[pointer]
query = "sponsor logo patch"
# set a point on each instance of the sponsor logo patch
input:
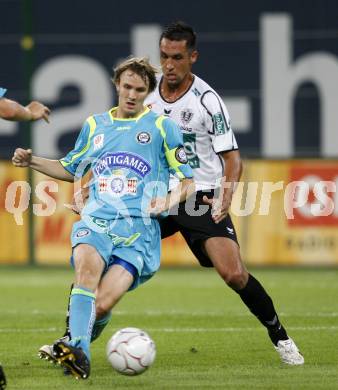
(111, 161)
(190, 149)
(98, 141)
(143, 138)
(118, 185)
(181, 155)
(219, 123)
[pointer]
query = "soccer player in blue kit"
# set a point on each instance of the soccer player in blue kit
(130, 151)
(14, 111)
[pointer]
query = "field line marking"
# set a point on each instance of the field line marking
(182, 330)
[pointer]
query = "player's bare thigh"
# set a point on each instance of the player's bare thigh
(225, 256)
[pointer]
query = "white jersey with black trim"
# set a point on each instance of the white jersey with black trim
(205, 123)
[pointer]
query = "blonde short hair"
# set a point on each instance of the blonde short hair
(140, 66)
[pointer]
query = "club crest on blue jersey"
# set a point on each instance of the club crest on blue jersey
(117, 185)
(143, 138)
(131, 161)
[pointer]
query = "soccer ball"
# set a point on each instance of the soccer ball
(131, 351)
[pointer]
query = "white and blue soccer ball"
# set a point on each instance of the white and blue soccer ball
(131, 351)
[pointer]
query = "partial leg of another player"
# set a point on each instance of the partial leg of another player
(2, 379)
(225, 256)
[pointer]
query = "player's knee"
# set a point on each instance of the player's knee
(236, 280)
(104, 304)
(101, 310)
(87, 278)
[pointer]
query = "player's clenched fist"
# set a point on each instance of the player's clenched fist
(22, 157)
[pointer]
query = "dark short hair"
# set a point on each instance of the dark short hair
(180, 31)
(140, 66)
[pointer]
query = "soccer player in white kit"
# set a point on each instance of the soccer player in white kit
(213, 154)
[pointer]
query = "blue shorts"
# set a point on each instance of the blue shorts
(132, 240)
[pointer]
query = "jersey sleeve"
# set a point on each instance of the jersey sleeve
(2, 92)
(217, 122)
(72, 160)
(174, 149)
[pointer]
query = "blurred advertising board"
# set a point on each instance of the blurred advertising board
(52, 230)
(13, 231)
(297, 224)
(285, 213)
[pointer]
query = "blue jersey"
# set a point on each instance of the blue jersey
(130, 159)
(2, 92)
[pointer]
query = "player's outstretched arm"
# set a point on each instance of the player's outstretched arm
(23, 158)
(13, 111)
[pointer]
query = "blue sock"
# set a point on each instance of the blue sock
(99, 325)
(82, 317)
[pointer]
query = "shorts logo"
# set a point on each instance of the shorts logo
(181, 155)
(143, 138)
(230, 230)
(98, 141)
(186, 115)
(83, 233)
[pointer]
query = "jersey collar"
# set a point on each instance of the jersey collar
(136, 119)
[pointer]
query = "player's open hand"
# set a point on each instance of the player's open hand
(219, 207)
(22, 157)
(38, 111)
(79, 200)
(158, 206)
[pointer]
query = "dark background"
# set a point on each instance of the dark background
(228, 41)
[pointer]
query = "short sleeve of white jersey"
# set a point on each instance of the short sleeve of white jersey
(217, 121)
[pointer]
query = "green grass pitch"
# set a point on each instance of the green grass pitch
(205, 337)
